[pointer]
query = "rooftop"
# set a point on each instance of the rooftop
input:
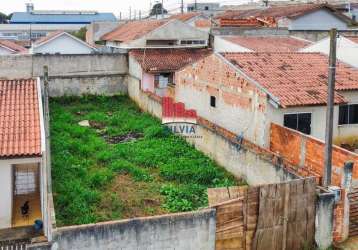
(289, 11)
(185, 16)
(14, 47)
(268, 43)
(61, 17)
(55, 34)
(133, 30)
(296, 79)
(159, 60)
(352, 38)
(19, 119)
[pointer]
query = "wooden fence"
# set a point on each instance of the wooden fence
(267, 217)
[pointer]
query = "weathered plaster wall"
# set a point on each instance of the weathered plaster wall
(103, 84)
(6, 195)
(240, 106)
(26, 66)
(184, 231)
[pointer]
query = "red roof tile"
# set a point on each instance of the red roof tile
(20, 134)
(352, 38)
(159, 60)
(295, 78)
(185, 16)
(133, 30)
(290, 11)
(13, 46)
(268, 43)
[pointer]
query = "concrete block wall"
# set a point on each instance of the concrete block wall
(183, 231)
(27, 66)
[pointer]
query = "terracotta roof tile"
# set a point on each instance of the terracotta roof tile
(295, 78)
(133, 30)
(268, 43)
(19, 119)
(17, 49)
(159, 60)
(185, 16)
(352, 38)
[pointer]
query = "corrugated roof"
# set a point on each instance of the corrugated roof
(268, 43)
(133, 30)
(17, 49)
(296, 79)
(20, 133)
(161, 60)
(28, 17)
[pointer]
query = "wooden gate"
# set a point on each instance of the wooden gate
(267, 217)
(353, 212)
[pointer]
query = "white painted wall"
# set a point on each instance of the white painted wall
(4, 51)
(63, 44)
(5, 195)
(349, 129)
(347, 50)
(222, 45)
(318, 20)
(6, 187)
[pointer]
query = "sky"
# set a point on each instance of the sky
(115, 6)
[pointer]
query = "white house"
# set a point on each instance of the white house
(23, 181)
(8, 47)
(61, 42)
(163, 33)
(347, 49)
(258, 43)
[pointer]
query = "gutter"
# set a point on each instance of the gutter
(273, 99)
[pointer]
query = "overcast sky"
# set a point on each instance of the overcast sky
(115, 6)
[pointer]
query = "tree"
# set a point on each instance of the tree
(80, 34)
(157, 10)
(3, 18)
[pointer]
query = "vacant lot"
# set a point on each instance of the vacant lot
(122, 163)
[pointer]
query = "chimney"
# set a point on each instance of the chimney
(29, 7)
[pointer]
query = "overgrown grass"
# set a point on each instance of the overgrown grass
(96, 181)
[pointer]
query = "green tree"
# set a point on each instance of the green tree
(157, 10)
(80, 34)
(3, 18)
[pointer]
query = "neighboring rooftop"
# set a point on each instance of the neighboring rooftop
(12, 46)
(133, 30)
(159, 60)
(288, 11)
(59, 16)
(268, 43)
(352, 38)
(296, 79)
(185, 16)
(20, 134)
(55, 34)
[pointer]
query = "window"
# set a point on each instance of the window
(213, 101)
(188, 42)
(163, 79)
(206, 8)
(348, 114)
(299, 121)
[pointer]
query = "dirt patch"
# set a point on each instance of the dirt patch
(132, 136)
(97, 125)
(134, 197)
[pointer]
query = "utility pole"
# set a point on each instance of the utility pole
(130, 13)
(330, 108)
(182, 6)
(140, 15)
(195, 5)
(162, 9)
(120, 16)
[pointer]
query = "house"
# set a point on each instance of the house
(317, 17)
(23, 172)
(61, 42)
(246, 92)
(155, 68)
(32, 16)
(347, 49)
(8, 47)
(203, 7)
(162, 33)
(196, 19)
(258, 43)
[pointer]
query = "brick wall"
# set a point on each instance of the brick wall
(306, 154)
(241, 107)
